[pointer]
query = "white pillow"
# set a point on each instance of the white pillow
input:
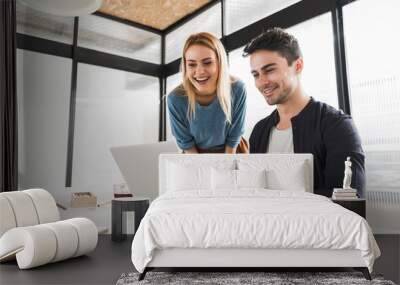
(281, 174)
(183, 177)
(251, 178)
(223, 179)
(293, 178)
(236, 179)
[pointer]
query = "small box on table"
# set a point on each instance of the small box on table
(83, 199)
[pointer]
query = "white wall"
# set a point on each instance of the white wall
(112, 108)
(43, 84)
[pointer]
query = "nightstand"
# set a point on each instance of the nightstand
(138, 205)
(357, 205)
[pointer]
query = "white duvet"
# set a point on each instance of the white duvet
(250, 218)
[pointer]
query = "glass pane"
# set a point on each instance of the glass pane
(372, 48)
(241, 13)
(35, 23)
(116, 38)
(319, 68)
(172, 82)
(43, 112)
(319, 75)
(121, 110)
(208, 21)
(257, 107)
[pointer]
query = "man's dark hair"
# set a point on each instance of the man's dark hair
(275, 39)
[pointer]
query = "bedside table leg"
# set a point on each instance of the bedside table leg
(116, 221)
(140, 211)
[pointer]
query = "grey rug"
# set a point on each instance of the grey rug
(269, 278)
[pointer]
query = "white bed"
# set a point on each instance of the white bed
(219, 211)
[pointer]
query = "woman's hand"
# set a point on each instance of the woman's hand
(230, 150)
(193, 149)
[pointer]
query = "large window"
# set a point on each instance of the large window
(315, 38)
(172, 82)
(318, 77)
(257, 107)
(208, 21)
(35, 23)
(113, 108)
(241, 13)
(115, 38)
(43, 110)
(372, 48)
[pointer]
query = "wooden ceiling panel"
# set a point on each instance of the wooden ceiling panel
(158, 14)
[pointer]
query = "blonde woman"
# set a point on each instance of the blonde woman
(207, 110)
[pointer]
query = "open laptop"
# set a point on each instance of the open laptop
(139, 165)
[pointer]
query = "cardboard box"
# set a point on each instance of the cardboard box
(83, 199)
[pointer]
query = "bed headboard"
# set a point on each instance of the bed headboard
(282, 165)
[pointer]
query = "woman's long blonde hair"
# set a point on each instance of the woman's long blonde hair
(223, 82)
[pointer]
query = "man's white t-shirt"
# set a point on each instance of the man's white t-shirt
(280, 141)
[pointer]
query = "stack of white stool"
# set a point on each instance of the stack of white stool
(31, 230)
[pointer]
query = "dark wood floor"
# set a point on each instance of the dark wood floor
(102, 266)
(110, 260)
(389, 262)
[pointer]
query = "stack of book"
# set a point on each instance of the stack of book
(344, 194)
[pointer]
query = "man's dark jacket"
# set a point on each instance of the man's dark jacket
(330, 135)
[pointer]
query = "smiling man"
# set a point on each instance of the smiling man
(301, 124)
